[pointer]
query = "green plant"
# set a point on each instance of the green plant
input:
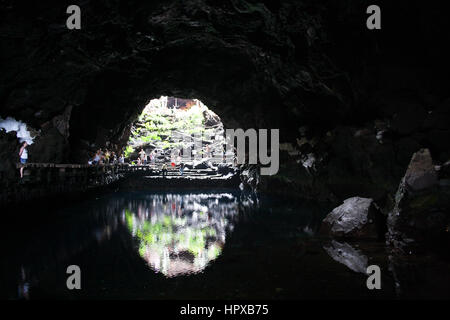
(128, 150)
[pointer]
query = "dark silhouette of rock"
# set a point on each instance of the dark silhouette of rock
(211, 119)
(421, 212)
(355, 218)
(408, 120)
(225, 168)
(444, 170)
(9, 153)
(421, 174)
(250, 177)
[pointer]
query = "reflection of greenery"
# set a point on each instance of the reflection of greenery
(129, 219)
(171, 231)
(180, 234)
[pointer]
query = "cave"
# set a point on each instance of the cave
(363, 155)
(171, 128)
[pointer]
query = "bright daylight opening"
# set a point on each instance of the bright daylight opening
(176, 131)
(180, 234)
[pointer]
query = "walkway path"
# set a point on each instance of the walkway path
(49, 179)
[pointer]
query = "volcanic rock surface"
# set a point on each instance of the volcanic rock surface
(352, 105)
(355, 218)
(421, 215)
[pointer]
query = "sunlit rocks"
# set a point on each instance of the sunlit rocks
(355, 218)
(175, 129)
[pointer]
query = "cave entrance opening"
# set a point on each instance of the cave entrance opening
(176, 132)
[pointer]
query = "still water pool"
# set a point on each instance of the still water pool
(196, 245)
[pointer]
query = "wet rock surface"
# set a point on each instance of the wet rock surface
(344, 253)
(355, 218)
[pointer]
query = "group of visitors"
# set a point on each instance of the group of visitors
(144, 157)
(164, 168)
(106, 157)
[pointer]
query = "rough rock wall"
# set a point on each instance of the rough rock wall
(252, 63)
(258, 64)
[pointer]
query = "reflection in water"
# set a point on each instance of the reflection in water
(23, 287)
(175, 234)
(121, 240)
(344, 253)
(180, 234)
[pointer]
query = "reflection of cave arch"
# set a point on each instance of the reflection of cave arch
(184, 234)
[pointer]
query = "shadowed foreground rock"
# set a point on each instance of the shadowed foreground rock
(421, 211)
(355, 218)
(421, 174)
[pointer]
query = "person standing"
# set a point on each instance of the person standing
(23, 154)
(143, 156)
(181, 168)
(97, 158)
(107, 156)
(164, 170)
(101, 156)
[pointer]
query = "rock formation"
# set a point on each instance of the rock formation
(421, 211)
(356, 218)
(353, 104)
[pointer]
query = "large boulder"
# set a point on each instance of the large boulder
(421, 211)
(211, 119)
(420, 174)
(201, 164)
(355, 218)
